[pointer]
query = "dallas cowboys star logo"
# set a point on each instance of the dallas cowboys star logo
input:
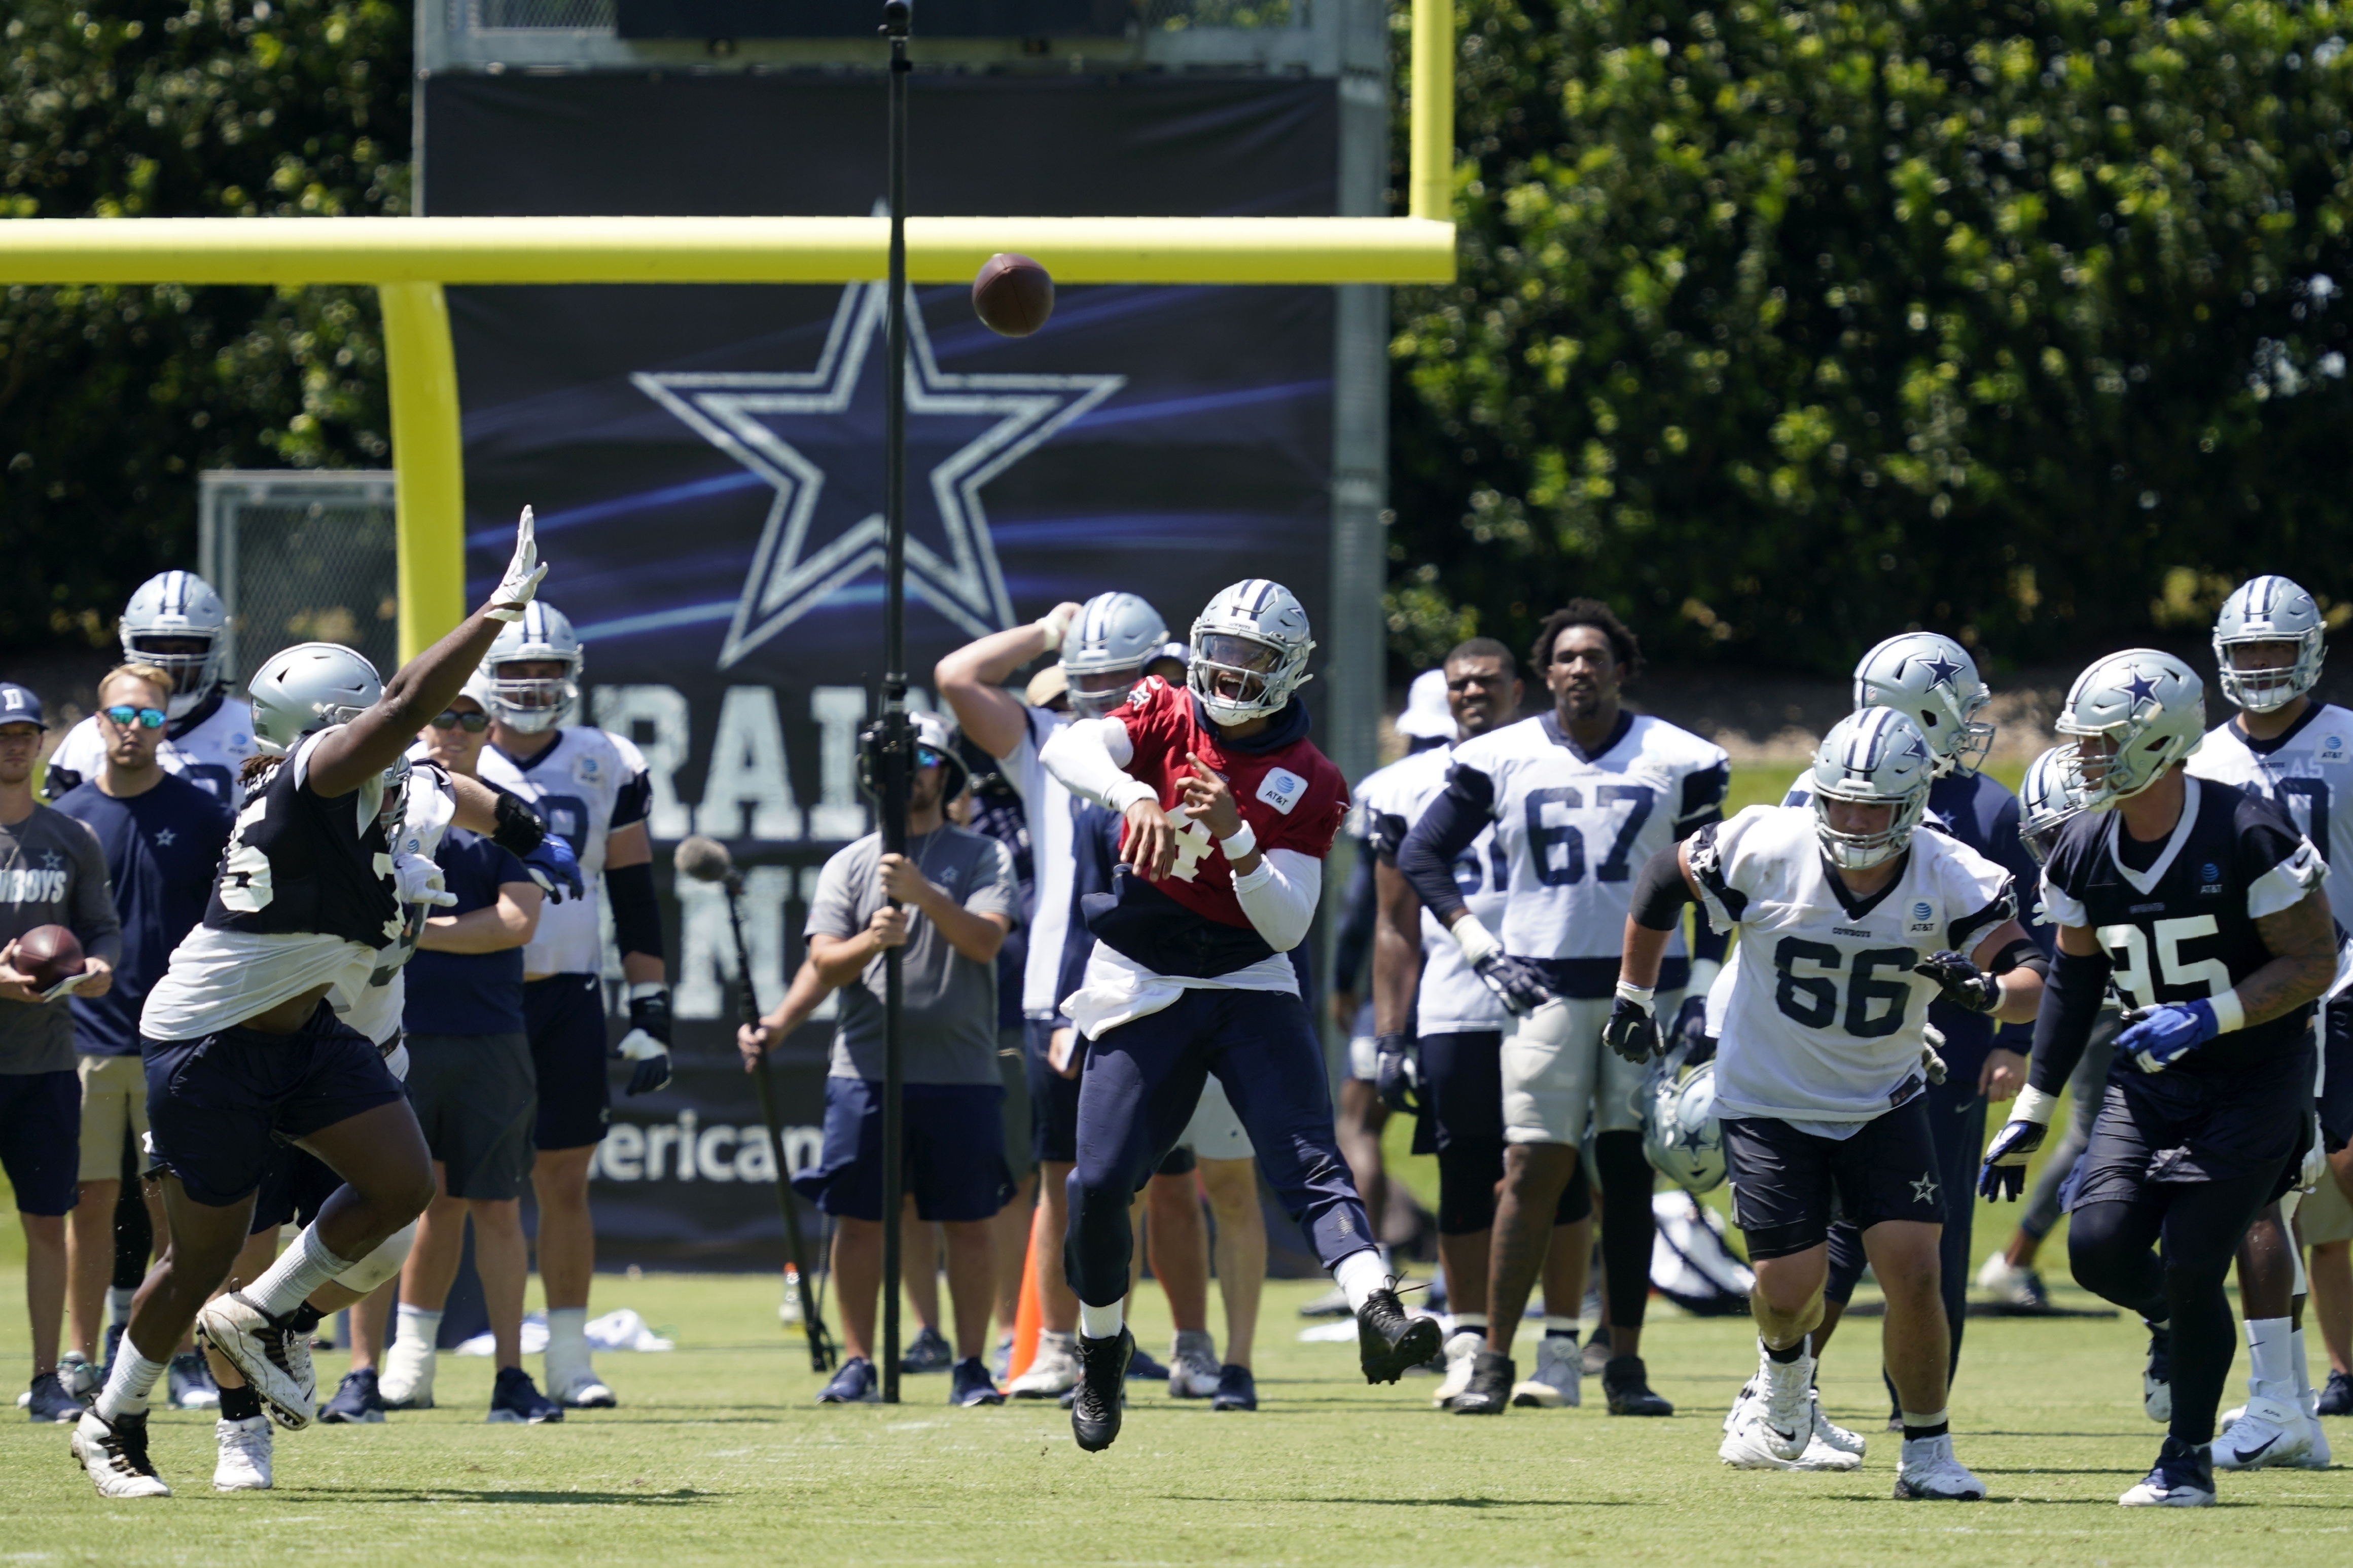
(1924, 1191)
(165, 835)
(2141, 686)
(1940, 669)
(817, 437)
(51, 859)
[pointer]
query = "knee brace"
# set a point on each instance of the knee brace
(380, 1265)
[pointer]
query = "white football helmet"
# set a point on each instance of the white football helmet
(2045, 805)
(1250, 651)
(2143, 710)
(311, 686)
(1934, 681)
(529, 704)
(1876, 757)
(2269, 609)
(176, 605)
(1106, 648)
(1681, 1137)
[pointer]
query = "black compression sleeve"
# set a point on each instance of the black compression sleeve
(637, 918)
(2021, 954)
(2071, 1002)
(1660, 892)
(1450, 825)
(518, 828)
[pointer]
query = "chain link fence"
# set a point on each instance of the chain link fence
(602, 16)
(301, 556)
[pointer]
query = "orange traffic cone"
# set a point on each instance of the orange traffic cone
(1029, 1316)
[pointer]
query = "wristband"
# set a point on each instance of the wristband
(1243, 842)
(2229, 1014)
(1476, 941)
(2033, 1105)
(1640, 995)
(644, 988)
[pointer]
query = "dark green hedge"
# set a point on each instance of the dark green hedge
(111, 399)
(1782, 327)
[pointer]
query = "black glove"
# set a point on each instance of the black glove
(1689, 1032)
(2003, 1175)
(1963, 984)
(1398, 1075)
(647, 1043)
(1632, 1031)
(1518, 983)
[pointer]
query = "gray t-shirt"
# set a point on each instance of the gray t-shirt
(52, 873)
(950, 1027)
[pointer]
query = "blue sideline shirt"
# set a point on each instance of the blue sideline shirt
(468, 993)
(162, 849)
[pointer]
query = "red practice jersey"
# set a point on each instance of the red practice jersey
(1291, 795)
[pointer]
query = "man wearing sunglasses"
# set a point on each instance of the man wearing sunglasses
(163, 835)
(177, 625)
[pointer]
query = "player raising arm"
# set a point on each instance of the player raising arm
(1853, 919)
(2203, 906)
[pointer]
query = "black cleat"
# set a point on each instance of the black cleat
(1237, 1389)
(1103, 1375)
(1388, 1343)
(2337, 1398)
(1489, 1393)
(1627, 1383)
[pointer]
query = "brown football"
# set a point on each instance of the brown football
(1012, 296)
(49, 955)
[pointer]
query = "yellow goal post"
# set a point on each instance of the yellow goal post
(408, 261)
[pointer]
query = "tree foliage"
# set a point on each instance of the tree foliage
(111, 399)
(1783, 326)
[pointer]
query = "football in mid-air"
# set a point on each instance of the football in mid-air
(47, 954)
(1013, 295)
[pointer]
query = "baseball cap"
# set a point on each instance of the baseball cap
(1427, 716)
(18, 705)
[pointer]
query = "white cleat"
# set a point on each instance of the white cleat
(115, 1457)
(2183, 1477)
(1559, 1376)
(2266, 1432)
(1733, 1417)
(1745, 1446)
(1052, 1373)
(1829, 1435)
(2316, 1456)
(274, 1359)
(406, 1382)
(580, 1390)
(1193, 1367)
(1462, 1353)
(1786, 1399)
(244, 1463)
(1930, 1471)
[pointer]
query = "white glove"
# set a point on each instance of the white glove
(418, 880)
(523, 573)
(2315, 1165)
(1054, 626)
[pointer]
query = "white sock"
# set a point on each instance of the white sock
(419, 1330)
(1466, 1322)
(1553, 1325)
(2268, 1342)
(2306, 1397)
(127, 1383)
(1102, 1323)
(1359, 1275)
(300, 1269)
(118, 1303)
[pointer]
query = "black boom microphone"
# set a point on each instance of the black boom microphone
(704, 859)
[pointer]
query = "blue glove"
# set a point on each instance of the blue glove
(1688, 1034)
(648, 1041)
(1633, 1032)
(1964, 985)
(2156, 1037)
(1398, 1076)
(2003, 1174)
(1517, 982)
(556, 869)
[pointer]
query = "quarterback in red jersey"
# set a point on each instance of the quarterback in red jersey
(1229, 811)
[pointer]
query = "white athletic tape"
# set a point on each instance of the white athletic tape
(382, 1264)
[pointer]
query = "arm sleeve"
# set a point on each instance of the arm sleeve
(1451, 824)
(2071, 1002)
(96, 925)
(1359, 914)
(1660, 892)
(1090, 757)
(637, 915)
(1280, 897)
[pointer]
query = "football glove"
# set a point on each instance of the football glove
(2003, 1174)
(556, 869)
(1633, 1030)
(1517, 982)
(1963, 984)
(524, 571)
(418, 880)
(648, 1041)
(1398, 1075)
(2156, 1037)
(1932, 1047)
(1688, 1034)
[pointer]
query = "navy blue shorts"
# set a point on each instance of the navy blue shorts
(1053, 1098)
(295, 1188)
(40, 1139)
(954, 1146)
(565, 1015)
(1788, 1185)
(2156, 1128)
(221, 1108)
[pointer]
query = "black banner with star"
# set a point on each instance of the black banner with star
(706, 466)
